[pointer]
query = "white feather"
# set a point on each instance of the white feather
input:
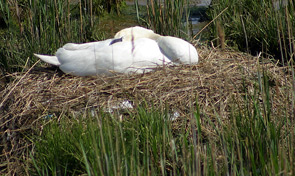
(49, 59)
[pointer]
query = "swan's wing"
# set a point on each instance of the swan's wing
(49, 59)
(146, 52)
(90, 45)
(131, 56)
(77, 62)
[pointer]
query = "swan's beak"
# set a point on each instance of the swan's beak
(116, 40)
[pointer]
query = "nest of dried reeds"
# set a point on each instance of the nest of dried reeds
(219, 80)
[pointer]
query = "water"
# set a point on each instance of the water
(205, 3)
(192, 2)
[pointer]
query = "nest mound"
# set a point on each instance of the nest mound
(220, 78)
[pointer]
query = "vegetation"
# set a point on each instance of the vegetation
(168, 17)
(257, 26)
(43, 26)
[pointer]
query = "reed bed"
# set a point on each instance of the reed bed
(256, 26)
(168, 17)
(225, 85)
(43, 26)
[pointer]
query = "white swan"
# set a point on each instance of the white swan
(107, 56)
(175, 49)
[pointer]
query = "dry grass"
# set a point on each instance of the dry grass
(216, 81)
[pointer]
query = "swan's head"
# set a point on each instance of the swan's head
(134, 33)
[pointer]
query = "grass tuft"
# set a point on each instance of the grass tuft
(257, 26)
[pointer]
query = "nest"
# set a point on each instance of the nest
(218, 81)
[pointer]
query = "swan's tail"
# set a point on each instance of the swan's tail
(49, 59)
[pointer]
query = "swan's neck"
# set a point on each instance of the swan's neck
(154, 36)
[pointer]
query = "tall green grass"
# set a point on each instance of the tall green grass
(45, 25)
(257, 142)
(42, 26)
(256, 26)
(251, 142)
(168, 17)
(143, 144)
(260, 26)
